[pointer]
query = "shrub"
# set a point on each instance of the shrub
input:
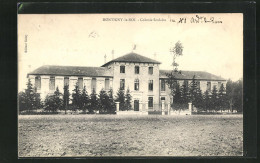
(54, 102)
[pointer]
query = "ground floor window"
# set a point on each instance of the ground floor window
(150, 102)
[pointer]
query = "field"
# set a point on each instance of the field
(112, 135)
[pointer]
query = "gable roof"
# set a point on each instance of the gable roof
(201, 75)
(72, 71)
(132, 57)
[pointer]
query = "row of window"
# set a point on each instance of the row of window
(137, 70)
(66, 82)
(136, 85)
(186, 84)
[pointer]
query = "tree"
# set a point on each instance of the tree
(66, 97)
(54, 102)
(193, 90)
(198, 102)
(230, 88)
(222, 101)
(93, 102)
(238, 95)
(22, 101)
(84, 99)
(177, 94)
(128, 99)
(120, 97)
(37, 103)
(29, 94)
(112, 104)
(214, 99)
(29, 100)
(206, 103)
(177, 51)
(103, 101)
(76, 101)
(171, 81)
(185, 93)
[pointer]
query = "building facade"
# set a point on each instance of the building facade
(139, 74)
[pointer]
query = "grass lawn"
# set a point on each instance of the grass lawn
(112, 135)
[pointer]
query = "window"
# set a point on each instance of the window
(163, 98)
(150, 85)
(150, 102)
(122, 69)
(136, 69)
(52, 83)
(93, 84)
(208, 86)
(122, 84)
(150, 70)
(162, 85)
(38, 83)
(106, 84)
(80, 82)
(136, 84)
(66, 81)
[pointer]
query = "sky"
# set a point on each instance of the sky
(84, 40)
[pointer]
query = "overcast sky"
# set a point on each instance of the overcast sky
(84, 39)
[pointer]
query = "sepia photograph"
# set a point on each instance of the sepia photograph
(139, 85)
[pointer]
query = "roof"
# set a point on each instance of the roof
(72, 71)
(201, 75)
(134, 58)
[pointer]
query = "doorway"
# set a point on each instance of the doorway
(136, 105)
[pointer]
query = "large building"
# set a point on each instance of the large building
(140, 74)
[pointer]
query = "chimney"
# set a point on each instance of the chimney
(105, 58)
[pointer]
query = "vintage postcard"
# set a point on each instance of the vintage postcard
(95, 85)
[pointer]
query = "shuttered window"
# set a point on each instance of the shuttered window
(106, 84)
(66, 81)
(38, 83)
(80, 83)
(93, 84)
(162, 85)
(52, 83)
